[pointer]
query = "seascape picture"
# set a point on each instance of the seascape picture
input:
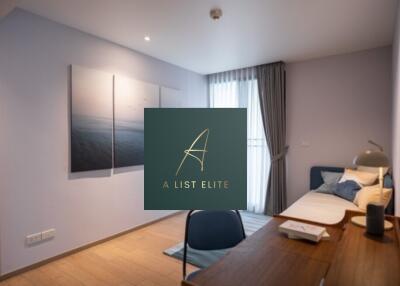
(130, 99)
(171, 98)
(91, 119)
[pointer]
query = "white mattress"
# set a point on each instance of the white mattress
(321, 208)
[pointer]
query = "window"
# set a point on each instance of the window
(239, 89)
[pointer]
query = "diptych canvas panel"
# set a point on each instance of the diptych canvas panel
(131, 97)
(107, 119)
(91, 119)
(171, 98)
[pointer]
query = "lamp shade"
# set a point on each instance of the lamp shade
(371, 159)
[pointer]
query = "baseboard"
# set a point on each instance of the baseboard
(75, 250)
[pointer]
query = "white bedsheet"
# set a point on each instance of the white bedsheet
(321, 208)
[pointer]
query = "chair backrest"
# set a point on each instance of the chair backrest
(210, 230)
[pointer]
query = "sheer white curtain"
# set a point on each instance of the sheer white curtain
(238, 88)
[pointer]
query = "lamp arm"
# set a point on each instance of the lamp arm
(376, 144)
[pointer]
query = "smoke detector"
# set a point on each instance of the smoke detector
(215, 13)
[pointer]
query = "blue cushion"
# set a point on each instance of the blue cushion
(388, 182)
(347, 190)
(330, 181)
(326, 188)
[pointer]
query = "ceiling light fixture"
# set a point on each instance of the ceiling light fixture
(215, 13)
(147, 38)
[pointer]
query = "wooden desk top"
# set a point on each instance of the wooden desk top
(363, 259)
(268, 257)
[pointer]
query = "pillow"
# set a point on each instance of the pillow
(372, 194)
(388, 182)
(347, 190)
(362, 178)
(330, 181)
(374, 170)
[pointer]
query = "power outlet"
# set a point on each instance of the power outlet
(33, 238)
(40, 236)
(48, 234)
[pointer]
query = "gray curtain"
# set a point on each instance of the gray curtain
(272, 92)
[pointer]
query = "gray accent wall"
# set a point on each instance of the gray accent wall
(396, 112)
(334, 105)
(37, 190)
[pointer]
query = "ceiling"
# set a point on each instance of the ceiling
(250, 32)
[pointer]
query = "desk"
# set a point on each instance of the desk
(270, 258)
(363, 259)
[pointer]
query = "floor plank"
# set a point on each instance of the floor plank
(134, 259)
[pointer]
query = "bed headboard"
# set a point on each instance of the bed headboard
(316, 181)
(316, 178)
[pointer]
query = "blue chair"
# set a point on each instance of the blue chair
(211, 230)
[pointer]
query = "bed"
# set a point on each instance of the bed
(325, 208)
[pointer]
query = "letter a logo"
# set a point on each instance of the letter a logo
(192, 151)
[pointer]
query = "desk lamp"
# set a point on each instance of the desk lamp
(375, 211)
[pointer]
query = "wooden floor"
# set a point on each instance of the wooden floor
(134, 259)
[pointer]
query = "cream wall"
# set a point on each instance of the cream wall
(37, 191)
(335, 105)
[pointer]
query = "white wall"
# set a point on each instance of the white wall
(336, 104)
(37, 191)
(396, 111)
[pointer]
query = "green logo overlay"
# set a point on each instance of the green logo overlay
(195, 158)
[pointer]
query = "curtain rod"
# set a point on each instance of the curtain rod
(277, 62)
